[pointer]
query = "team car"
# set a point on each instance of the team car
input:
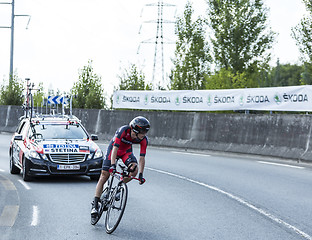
(54, 145)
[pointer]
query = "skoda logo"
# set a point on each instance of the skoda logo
(241, 100)
(277, 98)
(146, 99)
(209, 102)
(177, 100)
(117, 99)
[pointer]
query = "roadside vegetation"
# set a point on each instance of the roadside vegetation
(230, 47)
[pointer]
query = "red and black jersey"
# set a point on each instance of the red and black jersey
(123, 141)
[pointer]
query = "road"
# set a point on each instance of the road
(187, 195)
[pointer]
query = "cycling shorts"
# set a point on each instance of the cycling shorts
(127, 158)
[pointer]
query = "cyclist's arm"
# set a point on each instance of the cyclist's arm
(143, 144)
(141, 164)
(121, 132)
(114, 155)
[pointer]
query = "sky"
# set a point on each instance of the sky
(63, 35)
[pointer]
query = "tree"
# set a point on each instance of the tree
(133, 79)
(12, 93)
(192, 58)
(286, 74)
(38, 95)
(88, 90)
(306, 75)
(225, 79)
(240, 37)
(302, 34)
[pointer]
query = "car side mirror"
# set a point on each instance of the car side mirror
(18, 138)
(94, 137)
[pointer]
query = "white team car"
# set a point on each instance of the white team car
(54, 145)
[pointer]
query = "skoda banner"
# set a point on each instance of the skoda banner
(294, 98)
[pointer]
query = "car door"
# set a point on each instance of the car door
(18, 145)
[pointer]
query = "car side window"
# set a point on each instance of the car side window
(20, 128)
(24, 130)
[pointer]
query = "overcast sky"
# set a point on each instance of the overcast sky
(64, 34)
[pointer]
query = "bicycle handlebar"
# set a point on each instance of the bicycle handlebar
(121, 176)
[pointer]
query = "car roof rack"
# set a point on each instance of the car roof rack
(29, 109)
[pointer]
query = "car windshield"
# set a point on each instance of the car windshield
(59, 131)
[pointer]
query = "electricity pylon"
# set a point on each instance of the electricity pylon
(159, 41)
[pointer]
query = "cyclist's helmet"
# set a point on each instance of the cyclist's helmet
(140, 125)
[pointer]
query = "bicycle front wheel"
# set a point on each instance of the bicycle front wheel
(116, 207)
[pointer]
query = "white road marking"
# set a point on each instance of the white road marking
(8, 215)
(24, 184)
(8, 185)
(280, 164)
(1, 170)
(241, 201)
(35, 216)
(197, 154)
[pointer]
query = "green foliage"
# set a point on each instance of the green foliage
(306, 75)
(192, 58)
(241, 36)
(302, 34)
(38, 95)
(133, 79)
(12, 93)
(88, 90)
(225, 79)
(287, 75)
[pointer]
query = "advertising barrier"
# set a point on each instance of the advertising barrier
(293, 98)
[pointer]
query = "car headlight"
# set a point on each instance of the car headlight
(44, 157)
(98, 154)
(34, 154)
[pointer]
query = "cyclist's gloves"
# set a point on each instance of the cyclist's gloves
(112, 169)
(141, 178)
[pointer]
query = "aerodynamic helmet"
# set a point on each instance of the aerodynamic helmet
(140, 125)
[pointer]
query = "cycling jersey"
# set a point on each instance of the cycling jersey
(123, 141)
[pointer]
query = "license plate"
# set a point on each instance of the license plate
(68, 167)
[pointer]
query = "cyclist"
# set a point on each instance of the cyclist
(121, 147)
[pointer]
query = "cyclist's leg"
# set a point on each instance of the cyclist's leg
(104, 175)
(102, 180)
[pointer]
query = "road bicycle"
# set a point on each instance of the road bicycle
(113, 199)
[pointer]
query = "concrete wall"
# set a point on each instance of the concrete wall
(279, 135)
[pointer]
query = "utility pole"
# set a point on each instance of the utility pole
(12, 37)
(159, 42)
(12, 41)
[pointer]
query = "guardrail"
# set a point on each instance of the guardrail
(278, 135)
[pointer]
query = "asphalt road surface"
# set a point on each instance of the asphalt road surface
(187, 195)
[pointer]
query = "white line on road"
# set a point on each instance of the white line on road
(24, 184)
(35, 216)
(8, 216)
(282, 165)
(241, 201)
(197, 154)
(1, 170)
(8, 185)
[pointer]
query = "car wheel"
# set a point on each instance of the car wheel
(26, 176)
(13, 168)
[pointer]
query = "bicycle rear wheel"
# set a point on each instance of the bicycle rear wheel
(116, 208)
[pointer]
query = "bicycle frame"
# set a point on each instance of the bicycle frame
(114, 197)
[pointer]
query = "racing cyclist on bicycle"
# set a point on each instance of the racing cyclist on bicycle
(121, 147)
